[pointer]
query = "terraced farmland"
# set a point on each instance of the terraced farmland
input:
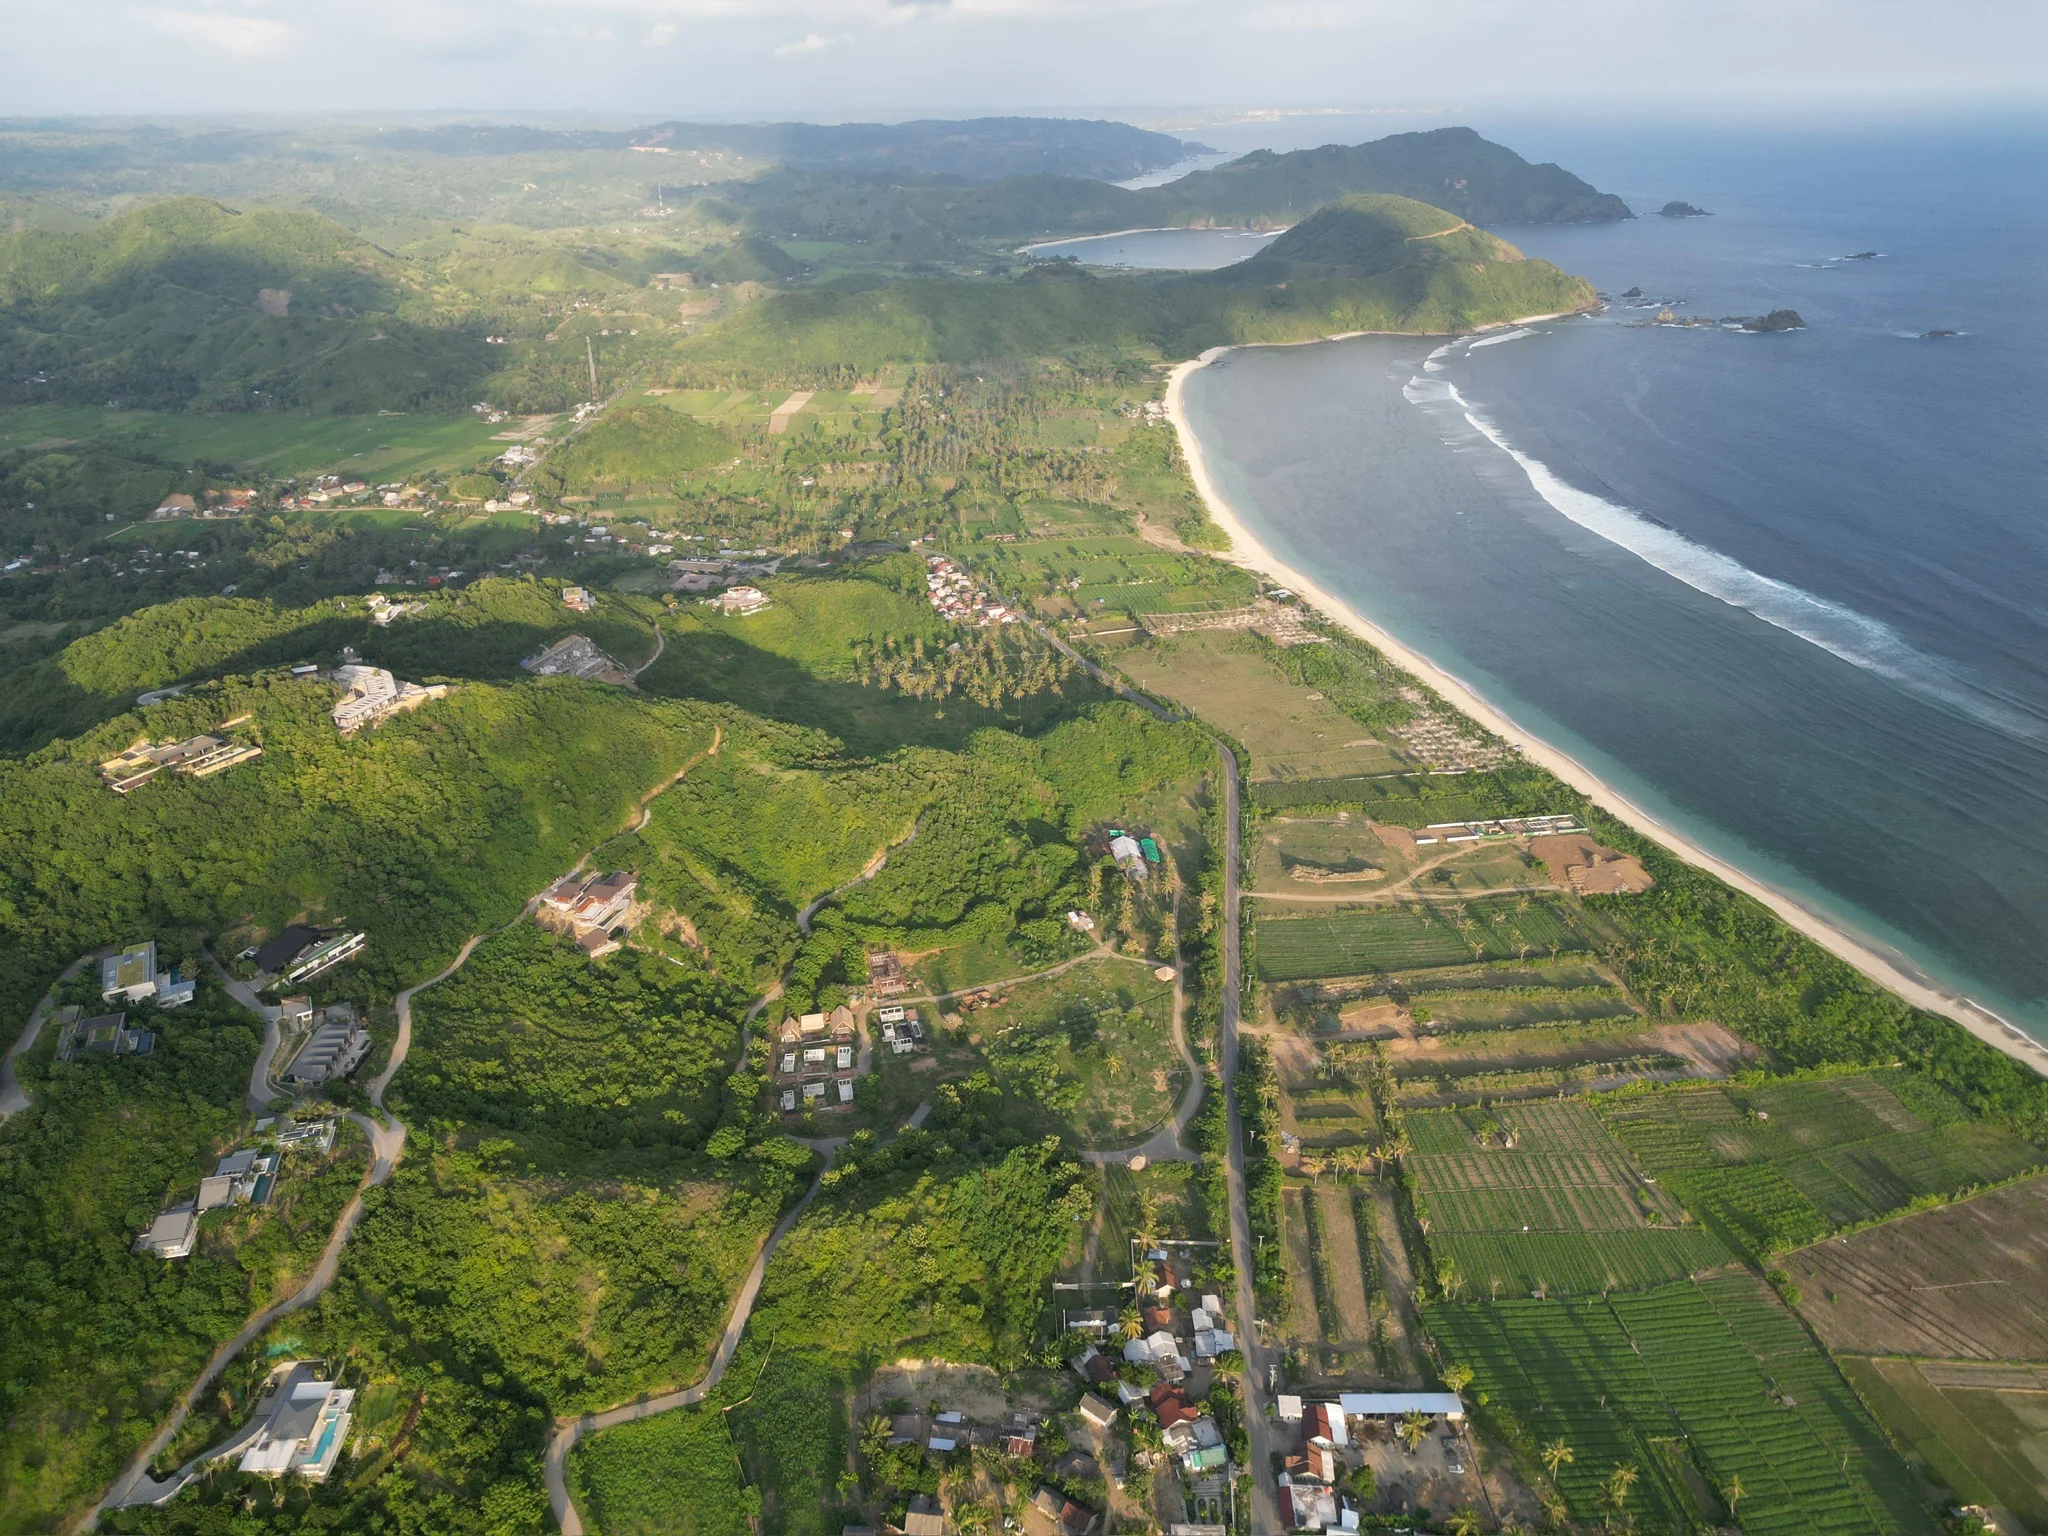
(1401, 936)
(1561, 1211)
(1776, 1166)
(1694, 1384)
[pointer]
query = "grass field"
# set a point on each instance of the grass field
(1693, 1384)
(1980, 1431)
(675, 1473)
(1403, 935)
(1091, 1049)
(1291, 731)
(1122, 573)
(1562, 1210)
(391, 447)
(1776, 1166)
(1967, 1281)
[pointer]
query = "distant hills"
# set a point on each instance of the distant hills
(1368, 235)
(1449, 168)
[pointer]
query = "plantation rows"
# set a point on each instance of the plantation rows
(1614, 1378)
(1562, 1208)
(1354, 940)
(1578, 1263)
(1809, 1457)
(1780, 1166)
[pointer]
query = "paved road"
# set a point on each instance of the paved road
(1115, 685)
(568, 1432)
(261, 1089)
(1265, 1512)
(14, 1097)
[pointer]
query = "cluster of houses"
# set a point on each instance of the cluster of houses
(370, 695)
(946, 1432)
(383, 610)
(902, 1030)
(817, 1058)
(219, 503)
(1312, 1494)
(954, 593)
(197, 757)
(243, 1176)
(298, 953)
(590, 906)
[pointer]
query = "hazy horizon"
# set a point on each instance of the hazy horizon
(827, 60)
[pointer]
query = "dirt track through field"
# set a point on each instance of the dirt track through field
(1341, 1234)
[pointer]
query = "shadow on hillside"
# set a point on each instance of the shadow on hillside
(870, 721)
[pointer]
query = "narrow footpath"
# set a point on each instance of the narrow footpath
(1168, 1143)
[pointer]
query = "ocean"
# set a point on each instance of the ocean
(1785, 591)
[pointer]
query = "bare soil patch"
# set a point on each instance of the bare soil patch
(1581, 865)
(1969, 1281)
(1347, 1279)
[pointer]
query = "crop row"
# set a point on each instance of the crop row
(1578, 1263)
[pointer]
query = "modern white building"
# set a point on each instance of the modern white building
(303, 1425)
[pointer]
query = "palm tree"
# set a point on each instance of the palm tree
(1413, 1427)
(1619, 1484)
(1457, 1377)
(1734, 1493)
(1132, 1323)
(1464, 1522)
(1557, 1454)
(875, 1433)
(1554, 1511)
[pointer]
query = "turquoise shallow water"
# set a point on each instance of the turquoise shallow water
(1785, 591)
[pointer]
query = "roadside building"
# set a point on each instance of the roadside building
(325, 956)
(334, 1049)
(1068, 1518)
(107, 1034)
(1096, 1411)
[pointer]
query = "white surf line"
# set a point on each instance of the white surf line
(1885, 966)
(1841, 631)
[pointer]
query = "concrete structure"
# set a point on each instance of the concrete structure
(133, 977)
(172, 1235)
(578, 656)
(1395, 1405)
(738, 602)
(578, 598)
(324, 956)
(335, 1048)
(196, 756)
(370, 695)
(107, 1034)
(300, 1427)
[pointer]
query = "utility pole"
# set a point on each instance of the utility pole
(590, 352)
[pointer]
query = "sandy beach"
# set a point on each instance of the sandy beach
(1883, 966)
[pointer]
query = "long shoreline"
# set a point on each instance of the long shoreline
(1890, 971)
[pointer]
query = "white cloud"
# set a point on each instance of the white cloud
(811, 42)
(244, 36)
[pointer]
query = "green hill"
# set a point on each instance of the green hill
(190, 304)
(1366, 235)
(1363, 264)
(1451, 168)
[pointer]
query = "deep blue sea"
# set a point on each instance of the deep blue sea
(1790, 592)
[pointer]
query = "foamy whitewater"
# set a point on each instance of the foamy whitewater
(1856, 638)
(1784, 591)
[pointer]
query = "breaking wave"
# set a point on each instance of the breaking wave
(1854, 637)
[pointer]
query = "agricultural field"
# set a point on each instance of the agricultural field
(1699, 1386)
(1291, 730)
(1538, 1198)
(1968, 1281)
(1777, 1165)
(275, 443)
(1979, 1431)
(1083, 576)
(1404, 935)
(1331, 854)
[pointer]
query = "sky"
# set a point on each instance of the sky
(891, 59)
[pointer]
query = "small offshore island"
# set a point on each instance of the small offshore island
(973, 998)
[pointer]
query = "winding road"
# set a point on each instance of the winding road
(14, 1097)
(569, 1431)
